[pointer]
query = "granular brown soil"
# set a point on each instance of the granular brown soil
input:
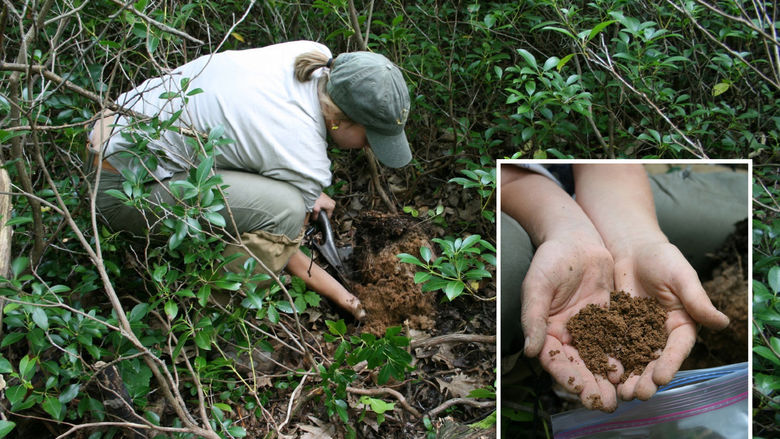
(728, 290)
(384, 284)
(630, 329)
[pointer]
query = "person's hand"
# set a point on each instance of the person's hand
(565, 275)
(658, 269)
(325, 203)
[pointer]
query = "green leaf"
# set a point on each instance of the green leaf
(470, 241)
(766, 384)
(11, 339)
(171, 309)
(377, 405)
(409, 259)
(203, 339)
(336, 328)
(517, 415)
(236, 431)
(215, 218)
(562, 62)
(6, 427)
(159, 273)
(227, 285)
(19, 265)
(40, 318)
(426, 253)
(138, 312)
(273, 315)
(598, 28)
(482, 393)
(253, 300)
(551, 62)
(767, 353)
(202, 173)
(54, 407)
(70, 393)
(341, 409)
(453, 289)
(774, 342)
(720, 88)
(5, 365)
(203, 295)
(529, 58)
(421, 276)
(774, 279)
(18, 220)
(16, 394)
(384, 374)
(561, 30)
(27, 367)
(183, 189)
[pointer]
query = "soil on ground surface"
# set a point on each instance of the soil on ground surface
(385, 285)
(444, 370)
(630, 329)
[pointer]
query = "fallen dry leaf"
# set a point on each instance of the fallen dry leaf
(460, 385)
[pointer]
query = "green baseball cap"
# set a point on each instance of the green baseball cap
(371, 91)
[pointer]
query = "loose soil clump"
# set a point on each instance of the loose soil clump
(630, 329)
(384, 285)
(727, 288)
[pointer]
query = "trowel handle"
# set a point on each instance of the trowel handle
(323, 223)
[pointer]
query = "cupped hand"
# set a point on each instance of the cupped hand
(564, 277)
(658, 269)
(325, 203)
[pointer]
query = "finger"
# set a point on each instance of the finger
(695, 300)
(560, 366)
(608, 395)
(627, 389)
(315, 211)
(536, 307)
(615, 370)
(586, 386)
(678, 346)
(645, 387)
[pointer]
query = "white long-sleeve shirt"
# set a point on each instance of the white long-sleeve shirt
(275, 120)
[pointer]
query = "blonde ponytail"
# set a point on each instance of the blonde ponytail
(307, 63)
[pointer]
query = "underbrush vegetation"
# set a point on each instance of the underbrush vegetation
(104, 335)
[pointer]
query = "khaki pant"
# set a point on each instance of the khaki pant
(268, 213)
(697, 212)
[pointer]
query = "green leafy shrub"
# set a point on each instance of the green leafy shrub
(459, 269)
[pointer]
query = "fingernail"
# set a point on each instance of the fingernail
(525, 345)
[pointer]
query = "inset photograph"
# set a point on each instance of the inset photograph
(623, 297)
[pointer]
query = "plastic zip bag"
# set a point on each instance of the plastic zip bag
(703, 403)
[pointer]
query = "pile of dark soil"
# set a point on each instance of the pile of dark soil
(630, 329)
(384, 285)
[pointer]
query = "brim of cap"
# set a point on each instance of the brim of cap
(392, 151)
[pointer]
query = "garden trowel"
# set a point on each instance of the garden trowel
(327, 247)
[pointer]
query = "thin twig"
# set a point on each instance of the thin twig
(163, 27)
(453, 338)
(462, 401)
(387, 391)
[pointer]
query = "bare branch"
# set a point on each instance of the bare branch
(163, 27)
(387, 391)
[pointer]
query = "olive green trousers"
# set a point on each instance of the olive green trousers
(268, 214)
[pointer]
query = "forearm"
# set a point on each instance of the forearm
(323, 283)
(543, 209)
(619, 201)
